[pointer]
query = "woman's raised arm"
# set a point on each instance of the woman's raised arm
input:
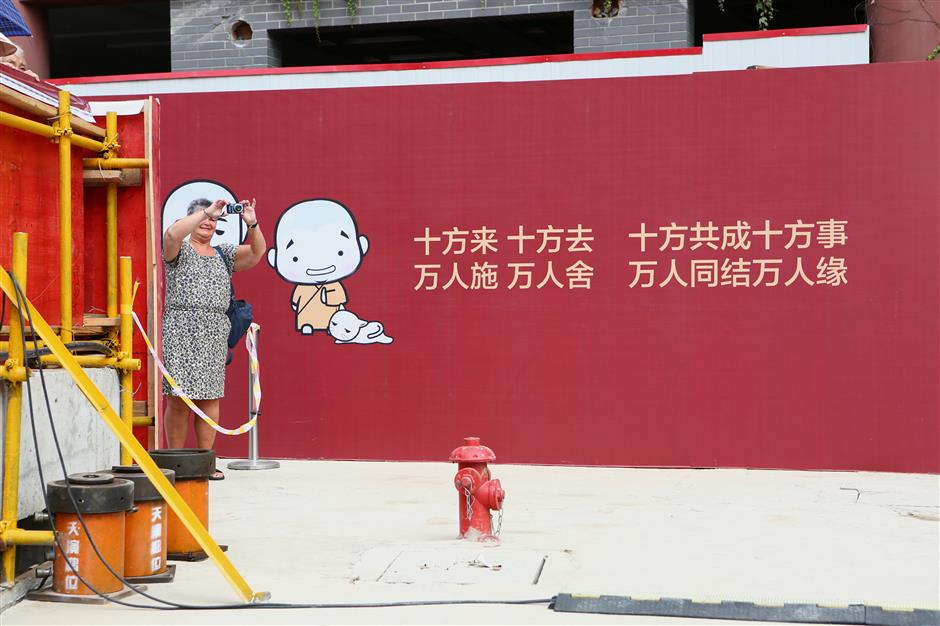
(181, 228)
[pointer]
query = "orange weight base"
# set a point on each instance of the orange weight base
(146, 539)
(196, 494)
(107, 530)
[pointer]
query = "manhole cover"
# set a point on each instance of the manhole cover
(465, 567)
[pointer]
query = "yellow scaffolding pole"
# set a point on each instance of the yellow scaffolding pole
(112, 253)
(5, 345)
(85, 142)
(64, 131)
(30, 126)
(126, 352)
(38, 128)
(20, 537)
(11, 441)
(114, 163)
(138, 453)
(93, 360)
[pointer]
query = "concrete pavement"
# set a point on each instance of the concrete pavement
(356, 532)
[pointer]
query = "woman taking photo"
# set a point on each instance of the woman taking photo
(195, 324)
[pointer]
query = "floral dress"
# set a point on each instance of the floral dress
(195, 326)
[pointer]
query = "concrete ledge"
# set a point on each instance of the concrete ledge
(10, 594)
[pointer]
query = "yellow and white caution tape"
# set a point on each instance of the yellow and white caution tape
(254, 367)
(252, 345)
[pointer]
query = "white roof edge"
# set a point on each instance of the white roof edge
(722, 55)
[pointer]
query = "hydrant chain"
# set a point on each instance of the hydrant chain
(499, 520)
(469, 503)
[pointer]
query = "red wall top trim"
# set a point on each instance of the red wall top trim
(382, 67)
(787, 32)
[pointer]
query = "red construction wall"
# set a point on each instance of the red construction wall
(837, 374)
(29, 202)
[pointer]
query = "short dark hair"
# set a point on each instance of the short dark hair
(198, 203)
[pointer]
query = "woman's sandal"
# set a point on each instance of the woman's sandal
(217, 475)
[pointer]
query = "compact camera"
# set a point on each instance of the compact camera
(237, 208)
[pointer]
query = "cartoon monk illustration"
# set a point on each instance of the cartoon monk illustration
(316, 245)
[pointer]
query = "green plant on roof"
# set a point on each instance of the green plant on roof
(288, 9)
(292, 9)
(764, 8)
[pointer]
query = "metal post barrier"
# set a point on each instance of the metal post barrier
(253, 462)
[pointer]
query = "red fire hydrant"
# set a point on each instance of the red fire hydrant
(478, 494)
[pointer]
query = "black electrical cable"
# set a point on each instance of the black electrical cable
(382, 605)
(85, 346)
(20, 298)
(73, 346)
(174, 606)
(42, 481)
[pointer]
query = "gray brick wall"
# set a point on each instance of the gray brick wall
(200, 29)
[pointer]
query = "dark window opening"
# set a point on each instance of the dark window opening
(108, 39)
(741, 15)
(436, 40)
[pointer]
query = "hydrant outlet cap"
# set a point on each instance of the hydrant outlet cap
(472, 452)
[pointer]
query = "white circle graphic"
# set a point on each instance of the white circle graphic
(229, 228)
